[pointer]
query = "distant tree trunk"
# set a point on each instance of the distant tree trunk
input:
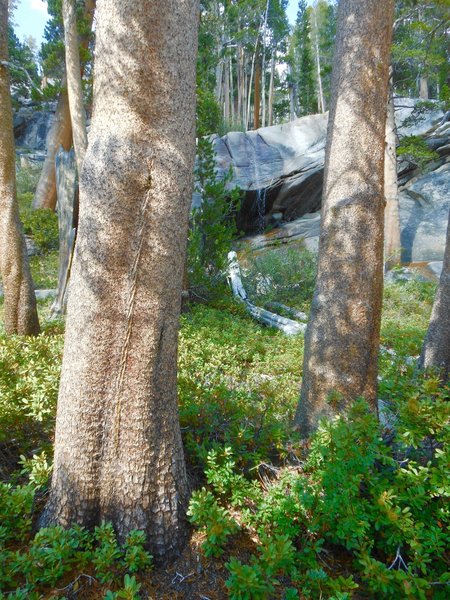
(257, 95)
(342, 339)
(423, 88)
(232, 106)
(436, 347)
(271, 87)
(226, 91)
(118, 449)
(392, 244)
(322, 106)
(20, 314)
(60, 133)
(74, 87)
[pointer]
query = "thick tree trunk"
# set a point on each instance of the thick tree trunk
(392, 246)
(118, 449)
(20, 314)
(342, 339)
(60, 133)
(436, 347)
(74, 87)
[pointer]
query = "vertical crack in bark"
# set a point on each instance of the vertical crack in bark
(130, 309)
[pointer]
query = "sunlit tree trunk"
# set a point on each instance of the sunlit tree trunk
(74, 87)
(392, 244)
(322, 106)
(60, 133)
(20, 314)
(423, 88)
(118, 450)
(436, 347)
(342, 339)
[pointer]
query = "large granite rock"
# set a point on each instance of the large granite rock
(31, 128)
(281, 170)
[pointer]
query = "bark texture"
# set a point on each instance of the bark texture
(341, 343)
(60, 133)
(392, 244)
(436, 348)
(118, 448)
(20, 312)
(74, 87)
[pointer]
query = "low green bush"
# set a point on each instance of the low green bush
(42, 225)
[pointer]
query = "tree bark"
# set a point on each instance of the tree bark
(74, 86)
(342, 339)
(118, 448)
(60, 133)
(436, 347)
(392, 246)
(20, 314)
(423, 88)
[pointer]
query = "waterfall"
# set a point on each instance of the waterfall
(261, 209)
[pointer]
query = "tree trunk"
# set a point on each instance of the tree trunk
(436, 347)
(232, 106)
(392, 246)
(74, 87)
(342, 339)
(118, 448)
(60, 133)
(20, 314)
(226, 91)
(257, 95)
(322, 107)
(423, 88)
(271, 87)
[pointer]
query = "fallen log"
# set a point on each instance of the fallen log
(287, 326)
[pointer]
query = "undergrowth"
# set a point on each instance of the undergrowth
(361, 512)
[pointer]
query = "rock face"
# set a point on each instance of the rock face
(281, 170)
(31, 128)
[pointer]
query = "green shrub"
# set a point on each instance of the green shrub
(283, 274)
(212, 226)
(42, 225)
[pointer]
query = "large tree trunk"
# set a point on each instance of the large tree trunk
(60, 133)
(392, 246)
(118, 448)
(74, 87)
(341, 345)
(20, 314)
(436, 347)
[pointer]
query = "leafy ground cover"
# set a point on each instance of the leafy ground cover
(360, 512)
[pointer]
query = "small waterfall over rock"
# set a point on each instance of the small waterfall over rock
(261, 210)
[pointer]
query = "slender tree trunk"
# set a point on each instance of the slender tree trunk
(60, 133)
(118, 449)
(271, 87)
(436, 347)
(392, 246)
(232, 105)
(20, 314)
(74, 87)
(322, 106)
(240, 78)
(226, 91)
(257, 95)
(342, 339)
